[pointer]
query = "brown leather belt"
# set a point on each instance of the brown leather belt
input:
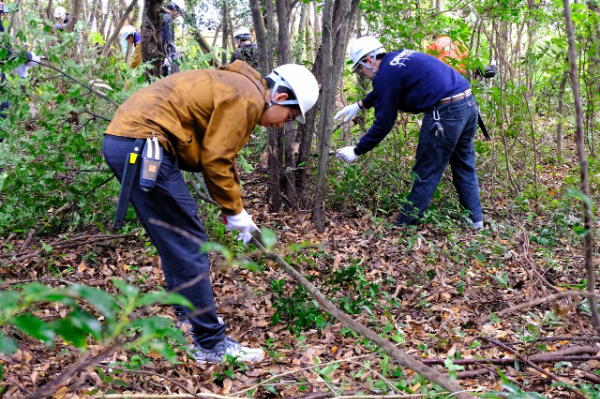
(455, 97)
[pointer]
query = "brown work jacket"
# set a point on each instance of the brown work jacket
(204, 117)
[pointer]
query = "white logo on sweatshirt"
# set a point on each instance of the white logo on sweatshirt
(401, 58)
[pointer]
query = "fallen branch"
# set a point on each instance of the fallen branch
(61, 246)
(212, 395)
(143, 372)
(399, 355)
(526, 361)
(96, 92)
(545, 299)
(547, 359)
(84, 362)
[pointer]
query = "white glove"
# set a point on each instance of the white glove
(347, 154)
(22, 71)
(243, 223)
(34, 60)
(351, 110)
(167, 62)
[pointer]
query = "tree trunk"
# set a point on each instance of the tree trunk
(284, 56)
(588, 239)
(116, 34)
(49, 11)
(333, 56)
(105, 17)
(74, 15)
(317, 31)
(226, 32)
(261, 39)
(561, 116)
(151, 25)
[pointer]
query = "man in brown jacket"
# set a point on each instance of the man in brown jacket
(202, 118)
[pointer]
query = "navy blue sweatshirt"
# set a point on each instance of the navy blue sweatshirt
(406, 81)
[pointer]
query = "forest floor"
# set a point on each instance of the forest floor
(437, 293)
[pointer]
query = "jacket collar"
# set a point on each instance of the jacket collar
(244, 69)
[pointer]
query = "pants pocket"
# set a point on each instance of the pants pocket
(448, 138)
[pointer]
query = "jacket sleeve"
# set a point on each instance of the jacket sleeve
(386, 112)
(233, 57)
(368, 101)
(137, 56)
(226, 134)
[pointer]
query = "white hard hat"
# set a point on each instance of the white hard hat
(363, 47)
(241, 31)
(301, 81)
(60, 12)
(126, 31)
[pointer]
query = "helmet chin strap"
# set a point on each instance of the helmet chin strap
(371, 67)
(279, 82)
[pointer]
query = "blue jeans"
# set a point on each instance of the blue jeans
(171, 202)
(434, 152)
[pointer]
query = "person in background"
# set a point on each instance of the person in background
(168, 39)
(61, 18)
(409, 81)
(21, 70)
(246, 51)
(129, 35)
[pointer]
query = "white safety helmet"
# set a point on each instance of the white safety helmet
(364, 47)
(299, 80)
(243, 31)
(60, 12)
(127, 31)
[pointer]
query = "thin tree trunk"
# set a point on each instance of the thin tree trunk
(115, 35)
(535, 163)
(333, 52)
(74, 15)
(284, 56)
(588, 239)
(261, 39)
(225, 24)
(216, 35)
(151, 38)
(561, 116)
(49, 11)
(317, 25)
(105, 17)
(274, 135)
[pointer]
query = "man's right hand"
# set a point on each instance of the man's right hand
(350, 111)
(347, 154)
(243, 223)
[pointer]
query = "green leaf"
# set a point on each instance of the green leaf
(164, 350)
(70, 333)
(269, 239)
(141, 79)
(9, 300)
(98, 299)
(214, 247)
(163, 298)
(8, 346)
(128, 290)
(35, 327)
(327, 370)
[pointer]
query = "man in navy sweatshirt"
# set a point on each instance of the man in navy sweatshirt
(410, 81)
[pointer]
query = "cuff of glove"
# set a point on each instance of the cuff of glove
(235, 219)
(357, 151)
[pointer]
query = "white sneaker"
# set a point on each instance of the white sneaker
(231, 347)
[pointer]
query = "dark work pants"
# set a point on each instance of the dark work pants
(171, 202)
(434, 152)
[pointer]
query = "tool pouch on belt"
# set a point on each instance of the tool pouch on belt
(131, 167)
(151, 160)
